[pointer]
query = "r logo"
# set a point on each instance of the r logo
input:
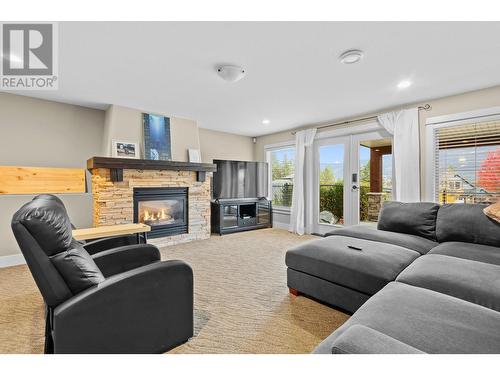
(28, 49)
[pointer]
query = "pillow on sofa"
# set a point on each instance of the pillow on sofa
(461, 222)
(493, 211)
(411, 218)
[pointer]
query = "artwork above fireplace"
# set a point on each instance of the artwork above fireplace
(164, 209)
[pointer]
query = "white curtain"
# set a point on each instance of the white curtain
(303, 139)
(403, 125)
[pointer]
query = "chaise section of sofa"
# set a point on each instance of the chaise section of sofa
(419, 319)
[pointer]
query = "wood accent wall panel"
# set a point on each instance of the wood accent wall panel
(38, 180)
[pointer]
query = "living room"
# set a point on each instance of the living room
(325, 187)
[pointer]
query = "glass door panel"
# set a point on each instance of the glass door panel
(330, 194)
(373, 165)
(352, 178)
(331, 184)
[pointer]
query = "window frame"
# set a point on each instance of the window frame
(433, 123)
(268, 149)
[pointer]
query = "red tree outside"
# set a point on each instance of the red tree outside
(489, 172)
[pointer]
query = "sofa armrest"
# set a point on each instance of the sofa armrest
(106, 243)
(125, 258)
(145, 310)
(359, 339)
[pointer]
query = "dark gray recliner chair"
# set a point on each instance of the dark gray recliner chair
(121, 300)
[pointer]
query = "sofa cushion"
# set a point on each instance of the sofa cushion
(426, 320)
(77, 268)
(358, 339)
(418, 219)
(472, 281)
(472, 251)
(367, 270)
(416, 243)
(466, 223)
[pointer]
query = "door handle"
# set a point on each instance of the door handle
(355, 187)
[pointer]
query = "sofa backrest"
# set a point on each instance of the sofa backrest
(60, 265)
(466, 223)
(411, 218)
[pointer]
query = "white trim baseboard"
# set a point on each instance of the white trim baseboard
(278, 225)
(12, 260)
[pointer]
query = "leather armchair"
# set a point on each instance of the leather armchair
(120, 300)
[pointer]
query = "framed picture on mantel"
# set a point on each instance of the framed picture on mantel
(157, 141)
(123, 149)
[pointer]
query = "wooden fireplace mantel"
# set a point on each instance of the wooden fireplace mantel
(117, 165)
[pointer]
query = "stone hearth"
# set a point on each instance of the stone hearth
(113, 200)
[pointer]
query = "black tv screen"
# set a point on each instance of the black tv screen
(240, 179)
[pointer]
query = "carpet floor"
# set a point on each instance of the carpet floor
(242, 304)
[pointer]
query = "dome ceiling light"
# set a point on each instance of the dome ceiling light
(231, 73)
(352, 56)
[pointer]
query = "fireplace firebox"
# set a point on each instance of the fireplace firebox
(165, 210)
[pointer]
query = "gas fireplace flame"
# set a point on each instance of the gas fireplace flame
(155, 215)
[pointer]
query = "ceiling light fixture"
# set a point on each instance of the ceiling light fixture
(231, 73)
(404, 84)
(266, 121)
(352, 56)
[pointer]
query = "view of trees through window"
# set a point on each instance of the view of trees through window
(282, 169)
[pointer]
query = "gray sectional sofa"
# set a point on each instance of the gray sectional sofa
(427, 280)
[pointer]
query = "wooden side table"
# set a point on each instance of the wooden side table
(112, 231)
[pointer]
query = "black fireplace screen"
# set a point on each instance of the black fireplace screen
(164, 209)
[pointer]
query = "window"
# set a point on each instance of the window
(467, 163)
(282, 162)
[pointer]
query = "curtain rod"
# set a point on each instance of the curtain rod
(425, 107)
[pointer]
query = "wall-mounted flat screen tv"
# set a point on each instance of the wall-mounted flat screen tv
(240, 179)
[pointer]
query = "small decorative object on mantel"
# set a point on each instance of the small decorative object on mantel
(123, 149)
(157, 142)
(194, 155)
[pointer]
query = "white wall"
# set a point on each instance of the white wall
(125, 124)
(40, 133)
(219, 145)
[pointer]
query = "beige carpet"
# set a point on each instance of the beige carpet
(242, 304)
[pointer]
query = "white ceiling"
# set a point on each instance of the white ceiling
(293, 75)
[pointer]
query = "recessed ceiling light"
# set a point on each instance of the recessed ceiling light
(352, 56)
(404, 84)
(266, 121)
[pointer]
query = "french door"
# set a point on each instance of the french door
(353, 177)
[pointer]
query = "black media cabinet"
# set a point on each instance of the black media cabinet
(236, 215)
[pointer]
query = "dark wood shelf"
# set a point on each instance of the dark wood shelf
(117, 165)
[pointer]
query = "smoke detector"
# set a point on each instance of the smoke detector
(231, 73)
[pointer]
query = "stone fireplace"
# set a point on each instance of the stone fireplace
(174, 202)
